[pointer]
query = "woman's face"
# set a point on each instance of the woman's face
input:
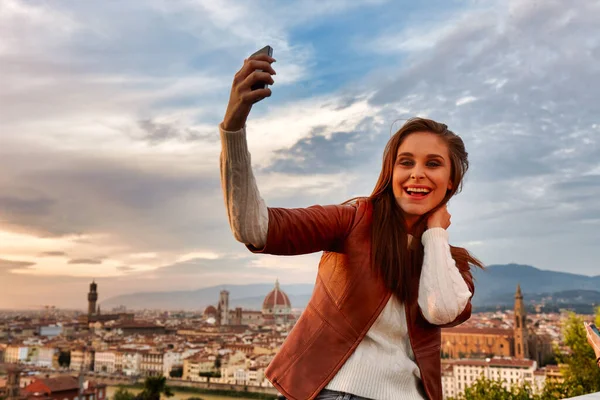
(421, 174)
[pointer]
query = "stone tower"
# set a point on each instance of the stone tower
(223, 308)
(92, 298)
(521, 339)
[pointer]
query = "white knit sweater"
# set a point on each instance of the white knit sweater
(383, 365)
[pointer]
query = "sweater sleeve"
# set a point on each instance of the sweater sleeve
(443, 293)
(246, 210)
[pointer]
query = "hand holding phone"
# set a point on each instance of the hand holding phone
(268, 50)
(250, 85)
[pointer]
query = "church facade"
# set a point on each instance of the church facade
(276, 310)
(521, 342)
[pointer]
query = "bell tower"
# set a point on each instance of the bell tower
(223, 308)
(92, 298)
(521, 339)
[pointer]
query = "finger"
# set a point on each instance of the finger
(262, 57)
(255, 77)
(252, 65)
(249, 67)
(256, 95)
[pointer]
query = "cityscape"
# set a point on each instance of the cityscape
(85, 355)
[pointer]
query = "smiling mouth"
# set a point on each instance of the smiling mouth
(417, 193)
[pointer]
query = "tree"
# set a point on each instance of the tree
(154, 386)
(176, 372)
(582, 375)
(210, 374)
(123, 394)
(64, 359)
(487, 389)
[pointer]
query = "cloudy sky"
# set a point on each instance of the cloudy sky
(109, 142)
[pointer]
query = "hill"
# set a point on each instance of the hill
(495, 287)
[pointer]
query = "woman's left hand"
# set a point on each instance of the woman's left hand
(440, 218)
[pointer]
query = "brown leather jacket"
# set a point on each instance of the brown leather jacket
(347, 299)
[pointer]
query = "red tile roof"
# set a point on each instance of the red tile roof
(478, 331)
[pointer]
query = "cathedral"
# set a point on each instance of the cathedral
(276, 310)
(521, 342)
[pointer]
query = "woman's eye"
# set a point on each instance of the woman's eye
(406, 163)
(433, 164)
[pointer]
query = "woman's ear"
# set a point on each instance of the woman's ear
(450, 185)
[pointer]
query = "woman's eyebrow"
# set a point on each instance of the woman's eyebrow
(407, 154)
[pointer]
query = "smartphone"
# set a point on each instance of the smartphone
(595, 329)
(268, 50)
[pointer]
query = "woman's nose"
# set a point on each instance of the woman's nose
(417, 173)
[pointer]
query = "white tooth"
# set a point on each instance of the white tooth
(421, 190)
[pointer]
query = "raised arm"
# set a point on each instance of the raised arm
(263, 230)
(246, 210)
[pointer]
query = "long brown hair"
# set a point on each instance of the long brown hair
(398, 264)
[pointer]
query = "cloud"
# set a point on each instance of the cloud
(88, 261)
(10, 264)
(111, 113)
(157, 132)
(319, 153)
(53, 254)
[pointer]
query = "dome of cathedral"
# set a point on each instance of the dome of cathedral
(210, 310)
(276, 299)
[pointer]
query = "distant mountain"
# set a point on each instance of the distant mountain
(494, 287)
(496, 284)
(246, 296)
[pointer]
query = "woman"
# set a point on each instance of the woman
(387, 280)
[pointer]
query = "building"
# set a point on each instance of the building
(151, 363)
(16, 353)
(457, 375)
(60, 388)
(65, 387)
(92, 299)
(131, 362)
(139, 328)
(210, 312)
(277, 308)
(223, 308)
(94, 314)
(105, 361)
(81, 359)
(196, 364)
(521, 342)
